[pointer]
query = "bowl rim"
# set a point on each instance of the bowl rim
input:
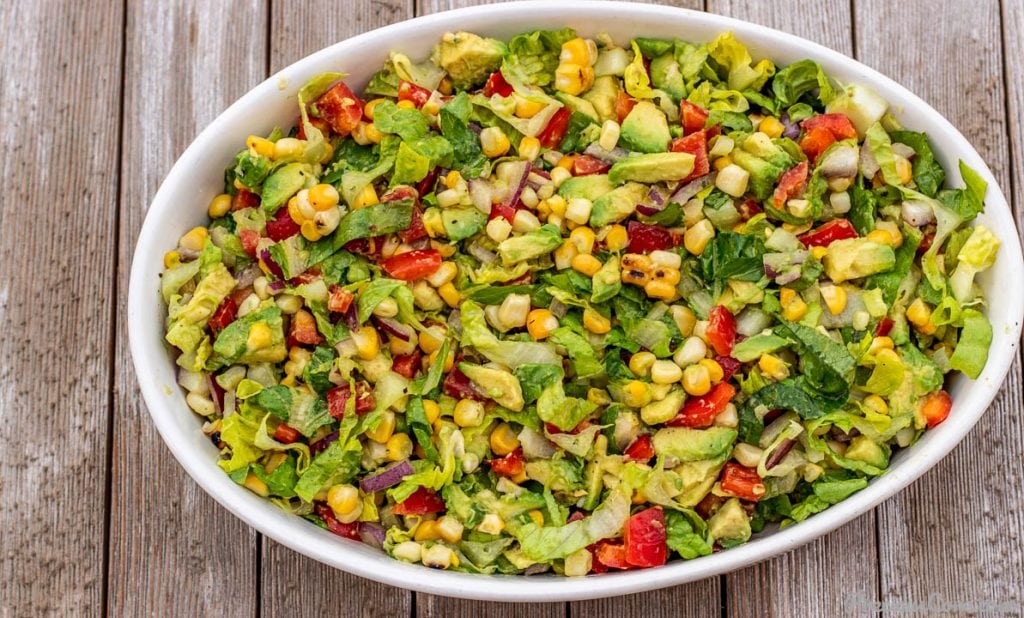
(365, 562)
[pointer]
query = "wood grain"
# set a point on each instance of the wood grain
(955, 535)
(58, 136)
(173, 551)
(294, 585)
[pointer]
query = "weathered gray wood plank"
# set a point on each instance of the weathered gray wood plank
(294, 585)
(955, 535)
(173, 550)
(60, 94)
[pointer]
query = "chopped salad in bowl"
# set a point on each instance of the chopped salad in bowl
(556, 304)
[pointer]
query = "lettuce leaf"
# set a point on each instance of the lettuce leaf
(794, 81)
(972, 347)
(547, 543)
(511, 354)
(736, 62)
(532, 58)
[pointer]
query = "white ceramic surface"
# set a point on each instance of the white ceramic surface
(198, 176)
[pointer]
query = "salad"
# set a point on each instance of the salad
(555, 304)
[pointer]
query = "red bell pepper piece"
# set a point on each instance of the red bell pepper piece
(506, 211)
(815, 142)
(641, 449)
(693, 117)
(426, 185)
(791, 184)
(408, 91)
(936, 408)
(838, 125)
(250, 241)
(421, 502)
(884, 327)
(728, 364)
(244, 199)
(286, 434)
(340, 299)
(721, 332)
(337, 399)
(701, 411)
(645, 538)
(644, 238)
(510, 465)
(321, 125)
(585, 165)
(341, 108)
(302, 330)
(825, 235)
(554, 132)
(623, 105)
(610, 556)
(742, 482)
(696, 144)
(349, 531)
(496, 84)
(224, 315)
(416, 229)
(281, 226)
(412, 265)
(407, 365)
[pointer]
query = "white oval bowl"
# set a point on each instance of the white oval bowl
(198, 176)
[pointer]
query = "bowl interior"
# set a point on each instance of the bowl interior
(198, 176)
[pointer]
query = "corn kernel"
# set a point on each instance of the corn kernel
(692, 351)
(573, 78)
(665, 372)
(880, 343)
(876, 404)
(399, 447)
(771, 127)
(323, 196)
(747, 454)
(431, 410)
(540, 323)
(697, 236)
(385, 427)
(715, 370)
(616, 239)
(586, 264)
(491, 524)
(406, 104)
(370, 105)
(427, 530)
(468, 413)
(661, 289)
(503, 440)
(439, 557)
(834, 297)
(904, 170)
(431, 339)
(260, 336)
(578, 210)
(367, 342)
(684, 319)
(450, 295)
(450, 529)
(527, 108)
(641, 363)
(583, 238)
(595, 322)
(194, 239)
(610, 132)
(256, 486)
(529, 148)
(172, 259)
(537, 517)
(494, 142)
(696, 380)
(920, 315)
(732, 180)
(366, 197)
(372, 133)
(882, 237)
(722, 162)
(558, 176)
(219, 206)
(260, 146)
(525, 221)
(309, 231)
(819, 252)
(636, 394)
(345, 502)
(773, 367)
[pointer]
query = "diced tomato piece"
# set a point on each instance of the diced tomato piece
(554, 132)
(224, 315)
(505, 211)
(403, 192)
(641, 449)
(552, 428)
(337, 399)
(303, 330)
(426, 185)
(742, 482)
(416, 229)
(286, 434)
(496, 84)
(510, 465)
(610, 555)
(585, 165)
(693, 117)
(728, 364)
(936, 408)
(456, 384)
(341, 108)
(623, 105)
(244, 199)
(791, 184)
(408, 91)
(407, 364)
(701, 411)
(349, 531)
(644, 238)
(421, 502)
(815, 142)
(250, 240)
(838, 125)
(825, 235)
(926, 243)
(884, 327)
(721, 332)
(321, 125)
(748, 209)
(696, 144)
(645, 538)
(282, 226)
(340, 299)
(412, 265)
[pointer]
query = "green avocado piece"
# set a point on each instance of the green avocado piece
(460, 223)
(607, 281)
(698, 478)
(658, 412)
(751, 348)
(283, 183)
(602, 95)
(762, 147)
(730, 524)
(468, 58)
(651, 168)
(862, 448)
(665, 75)
(576, 104)
(501, 386)
(530, 245)
(590, 187)
(645, 129)
(763, 174)
(617, 204)
(853, 258)
(688, 444)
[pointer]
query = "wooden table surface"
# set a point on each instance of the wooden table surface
(98, 99)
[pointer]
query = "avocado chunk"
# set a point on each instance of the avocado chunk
(688, 444)
(607, 281)
(602, 96)
(863, 106)
(862, 448)
(590, 187)
(730, 525)
(666, 76)
(853, 258)
(651, 168)
(283, 183)
(468, 58)
(751, 348)
(658, 412)
(763, 174)
(698, 477)
(501, 386)
(461, 223)
(617, 204)
(576, 104)
(645, 129)
(530, 245)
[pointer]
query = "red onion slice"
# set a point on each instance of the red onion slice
(686, 192)
(394, 328)
(372, 534)
(779, 453)
(389, 477)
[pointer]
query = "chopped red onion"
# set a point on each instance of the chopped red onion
(868, 165)
(394, 328)
(372, 534)
(608, 156)
(840, 162)
(690, 189)
(792, 129)
(246, 277)
(316, 447)
(272, 266)
(485, 256)
(917, 212)
(901, 149)
(216, 393)
(389, 477)
(455, 322)
(779, 453)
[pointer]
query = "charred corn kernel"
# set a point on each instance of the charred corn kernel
(527, 108)
(578, 51)
(344, 501)
(595, 322)
(309, 230)
(540, 323)
(494, 142)
(558, 176)
(439, 557)
(445, 87)
(904, 170)
(771, 127)
(641, 363)
(468, 413)
(665, 372)
(715, 370)
(172, 259)
(219, 206)
(574, 79)
(326, 221)
(583, 237)
(366, 197)
(537, 517)
(406, 104)
(503, 440)
(834, 297)
(609, 137)
(773, 367)
(635, 276)
(819, 252)
(697, 236)
(398, 447)
(194, 239)
(882, 237)
(586, 264)
(696, 380)
(260, 146)
(323, 196)
(880, 343)
(665, 275)
(260, 336)
(684, 318)
(732, 180)
(660, 289)
(616, 239)
(370, 105)
(256, 486)
(722, 162)
(636, 394)
(450, 529)
(367, 342)
(876, 404)
(637, 261)
(450, 295)
(578, 210)
(385, 427)
(427, 530)
(491, 524)
(920, 315)
(445, 274)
